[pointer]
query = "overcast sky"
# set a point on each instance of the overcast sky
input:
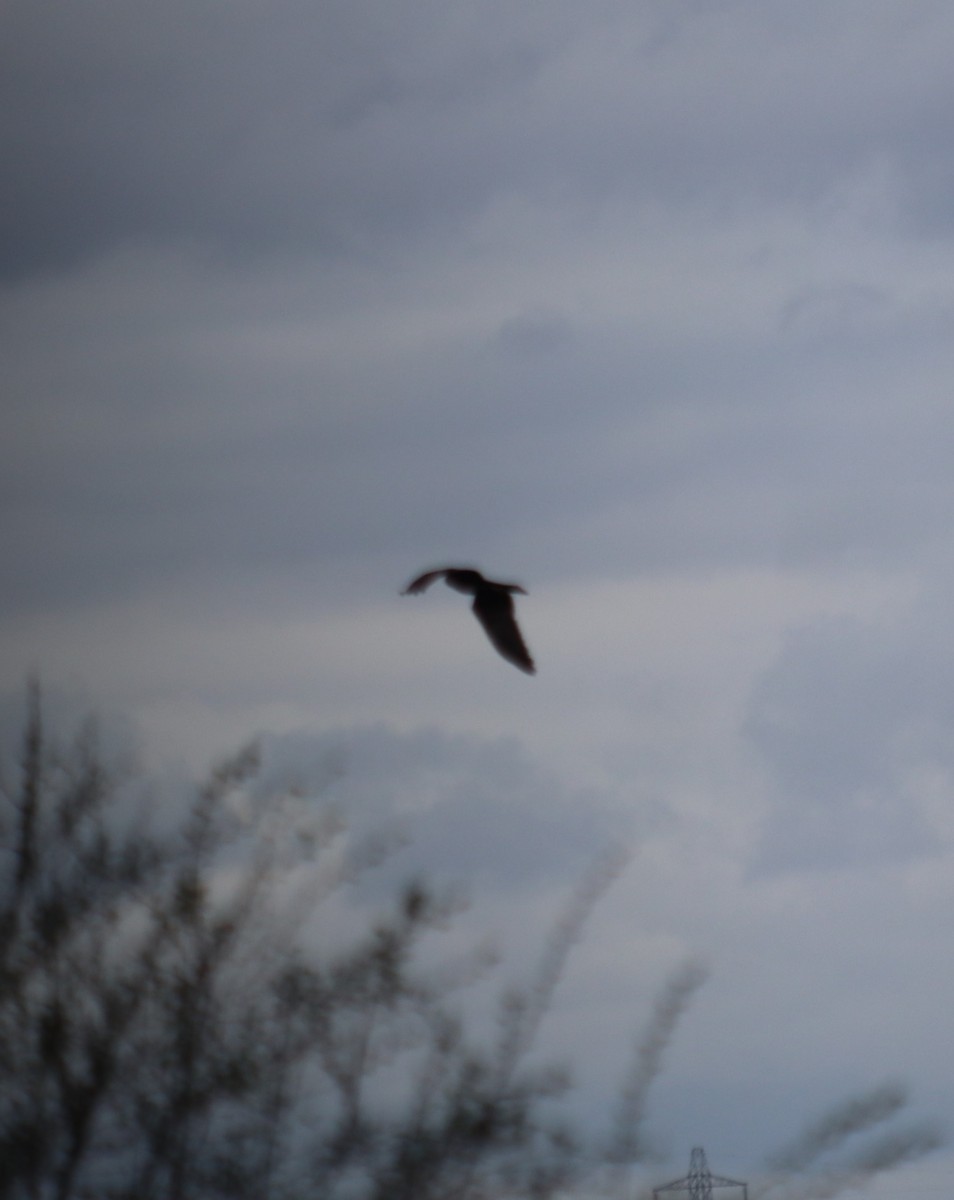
(645, 304)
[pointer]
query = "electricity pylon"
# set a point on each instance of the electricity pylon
(700, 1181)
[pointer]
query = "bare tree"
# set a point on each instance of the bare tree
(172, 1026)
(167, 1031)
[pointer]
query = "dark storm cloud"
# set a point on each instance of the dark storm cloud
(369, 132)
(145, 445)
(246, 126)
(343, 127)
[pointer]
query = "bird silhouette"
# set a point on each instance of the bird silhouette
(493, 608)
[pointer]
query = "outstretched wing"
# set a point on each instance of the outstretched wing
(494, 610)
(423, 582)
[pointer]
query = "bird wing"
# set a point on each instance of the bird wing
(494, 610)
(422, 582)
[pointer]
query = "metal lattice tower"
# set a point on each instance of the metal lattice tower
(700, 1181)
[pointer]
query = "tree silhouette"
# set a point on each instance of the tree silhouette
(172, 1024)
(168, 1027)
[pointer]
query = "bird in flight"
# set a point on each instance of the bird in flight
(493, 608)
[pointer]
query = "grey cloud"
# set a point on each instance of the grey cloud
(847, 720)
(145, 456)
(301, 298)
(834, 309)
(341, 127)
(246, 127)
(535, 333)
(470, 810)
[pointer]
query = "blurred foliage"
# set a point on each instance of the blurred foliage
(170, 1025)
(177, 1023)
